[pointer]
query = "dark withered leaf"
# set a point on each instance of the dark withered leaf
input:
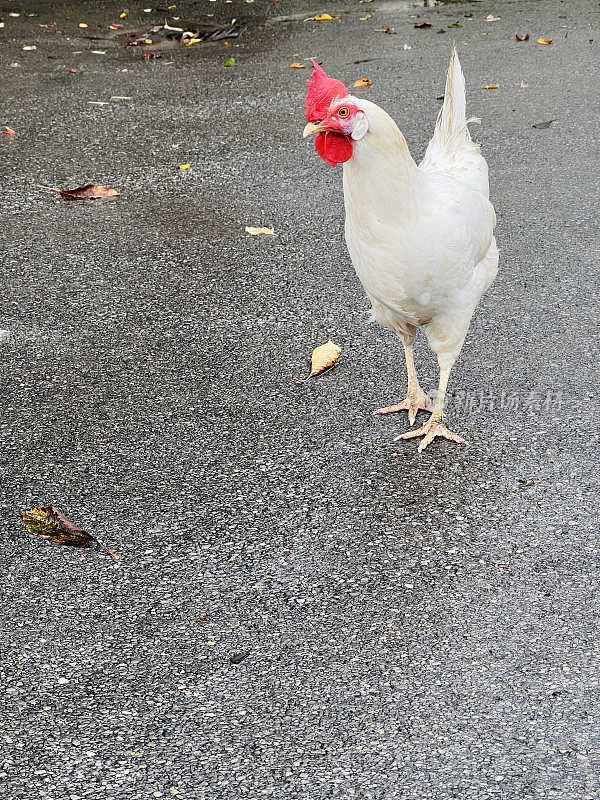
(520, 38)
(237, 658)
(422, 25)
(91, 191)
(49, 523)
(543, 125)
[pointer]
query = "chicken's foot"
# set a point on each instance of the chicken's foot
(417, 400)
(432, 428)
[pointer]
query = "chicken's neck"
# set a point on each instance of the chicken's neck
(381, 174)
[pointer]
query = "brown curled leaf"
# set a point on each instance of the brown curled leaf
(362, 83)
(90, 191)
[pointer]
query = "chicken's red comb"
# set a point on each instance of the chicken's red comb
(322, 91)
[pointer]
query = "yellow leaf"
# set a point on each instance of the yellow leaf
(259, 231)
(361, 83)
(491, 86)
(82, 25)
(297, 65)
(185, 166)
(545, 41)
(123, 15)
(323, 357)
(524, 85)
(324, 18)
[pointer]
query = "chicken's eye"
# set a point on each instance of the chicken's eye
(343, 112)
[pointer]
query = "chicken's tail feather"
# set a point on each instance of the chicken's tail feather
(451, 149)
(452, 121)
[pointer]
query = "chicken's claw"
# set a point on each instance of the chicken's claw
(432, 428)
(420, 400)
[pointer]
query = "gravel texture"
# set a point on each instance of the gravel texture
(405, 627)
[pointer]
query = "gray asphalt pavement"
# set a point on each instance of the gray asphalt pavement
(419, 626)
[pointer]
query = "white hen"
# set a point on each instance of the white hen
(420, 237)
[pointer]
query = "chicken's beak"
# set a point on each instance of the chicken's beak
(311, 128)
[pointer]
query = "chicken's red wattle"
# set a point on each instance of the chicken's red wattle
(334, 148)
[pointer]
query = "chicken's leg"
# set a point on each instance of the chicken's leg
(435, 424)
(416, 398)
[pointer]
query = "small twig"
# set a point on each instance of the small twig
(106, 550)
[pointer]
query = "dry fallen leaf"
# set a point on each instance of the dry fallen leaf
(491, 18)
(185, 166)
(545, 41)
(361, 83)
(491, 86)
(422, 25)
(259, 231)
(48, 523)
(297, 65)
(524, 85)
(323, 18)
(82, 25)
(541, 126)
(9, 132)
(91, 191)
(522, 38)
(323, 357)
